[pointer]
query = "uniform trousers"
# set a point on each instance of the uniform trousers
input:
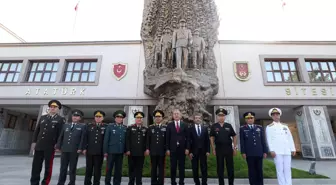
(158, 165)
(114, 160)
(200, 157)
(283, 169)
(68, 159)
(39, 156)
(228, 157)
(93, 166)
(177, 156)
(255, 170)
(135, 166)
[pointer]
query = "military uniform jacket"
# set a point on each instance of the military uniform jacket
(156, 140)
(47, 132)
(72, 139)
(136, 140)
(252, 140)
(279, 139)
(222, 136)
(94, 139)
(114, 139)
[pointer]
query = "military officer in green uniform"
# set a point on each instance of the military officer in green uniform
(156, 145)
(45, 136)
(70, 143)
(136, 148)
(114, 147)
(93, 148)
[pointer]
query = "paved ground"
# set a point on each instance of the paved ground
(15, 170)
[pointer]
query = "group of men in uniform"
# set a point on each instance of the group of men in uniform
(176, 140)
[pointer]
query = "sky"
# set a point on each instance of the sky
(100, 20)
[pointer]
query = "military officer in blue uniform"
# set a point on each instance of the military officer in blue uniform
(114, 147)
(253, 148)
(156, 144)
(93, 148)
(71, 144)
(136, 136)
(45, 136)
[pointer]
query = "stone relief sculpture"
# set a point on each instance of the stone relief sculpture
(181, 68)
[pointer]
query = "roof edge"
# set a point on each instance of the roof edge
(116, 42)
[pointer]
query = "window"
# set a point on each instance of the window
(32, 124)
(281, 71)
(10, 71)
(321, 70)
(80, 71)
(11, 121)
(42, 71)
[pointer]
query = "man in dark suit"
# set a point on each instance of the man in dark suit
(177, 142)
(221, 136)
(114, 147)
(253, 148)
(93, 148)
(45, 137)
(136, 136)
(156, 144)
(199, 148)
(70, 143)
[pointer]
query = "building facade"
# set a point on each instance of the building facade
(297, 77)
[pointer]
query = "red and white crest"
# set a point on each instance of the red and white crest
(242, 70)
(119, 70)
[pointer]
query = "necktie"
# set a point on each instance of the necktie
(177, 127)
(199, 131)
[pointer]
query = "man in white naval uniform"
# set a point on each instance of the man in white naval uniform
(281, 146)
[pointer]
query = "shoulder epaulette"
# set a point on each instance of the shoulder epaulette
(284, 124)
(151, 125)
(242, 126)
(270, 125)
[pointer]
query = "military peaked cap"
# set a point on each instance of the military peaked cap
(55, 103)
(274, 110)
(119, 113)
(77, 112)
(158, 113)
(139, 115)
(221, 111)
(249, 115)
(99, 113)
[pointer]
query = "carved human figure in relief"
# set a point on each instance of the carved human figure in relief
(182, 40)
(166, 52)
(157, 53)
(198, 48)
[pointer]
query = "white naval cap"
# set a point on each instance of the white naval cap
(274, 110)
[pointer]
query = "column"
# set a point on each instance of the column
(315, 132)
(130, 110)
(232, 117)
(65, 112)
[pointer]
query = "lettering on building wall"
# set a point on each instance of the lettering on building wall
(55, 91)
(310, 91)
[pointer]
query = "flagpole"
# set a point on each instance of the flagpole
(75, 21)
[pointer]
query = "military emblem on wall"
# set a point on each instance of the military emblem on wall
(242, 70)
(119, 70)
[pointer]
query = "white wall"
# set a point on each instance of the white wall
(131, 86)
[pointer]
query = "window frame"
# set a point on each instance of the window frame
(10, 62)
(22, 81)
(318, 61)
(30, 66)
(80, 71)
(9, 122)
(282, 71)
